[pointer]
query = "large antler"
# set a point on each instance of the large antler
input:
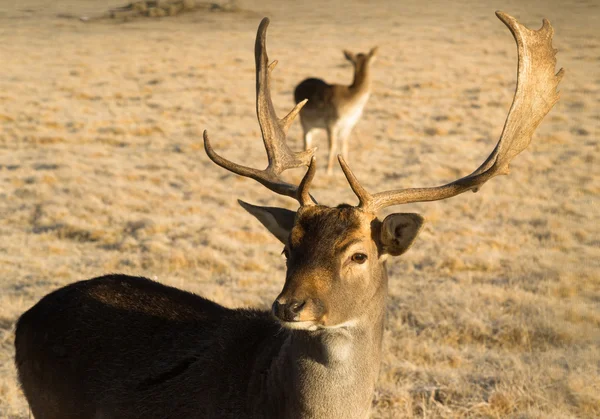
(534, 97)
(273, 130)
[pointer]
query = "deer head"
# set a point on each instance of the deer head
(336, 256)
(361, 60)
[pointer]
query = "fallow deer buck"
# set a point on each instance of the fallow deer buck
(127, 347)
(334, 107)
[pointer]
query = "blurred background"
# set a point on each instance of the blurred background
(495, 311)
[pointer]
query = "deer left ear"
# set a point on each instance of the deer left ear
(279, 221)
(399, 231)
(349, 56)
(373, 52)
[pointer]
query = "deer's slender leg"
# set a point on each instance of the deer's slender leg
(345, 139)
(332, 135)
(308, 137)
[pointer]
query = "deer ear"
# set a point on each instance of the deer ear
(279, 221)
(399, 231)
(349, 56)
(373, 52)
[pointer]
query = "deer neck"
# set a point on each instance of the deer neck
(361, 84)
(331, 373)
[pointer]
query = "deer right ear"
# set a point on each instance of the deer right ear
(399, 231)
(279, 221)
(349, 56)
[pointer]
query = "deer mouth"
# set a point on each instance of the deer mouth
(310, 325)
(314, 325)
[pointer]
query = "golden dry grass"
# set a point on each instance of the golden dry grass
(495, 311)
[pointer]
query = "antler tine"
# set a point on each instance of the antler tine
(365, 199)
(303, 195)
(266, 177)
(280, 156)
(535, 95)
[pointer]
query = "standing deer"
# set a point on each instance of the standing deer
(127, 347)
(335, 107)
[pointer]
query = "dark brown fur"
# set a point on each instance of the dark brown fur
(74, 348)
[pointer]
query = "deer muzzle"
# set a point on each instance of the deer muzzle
(298, 309)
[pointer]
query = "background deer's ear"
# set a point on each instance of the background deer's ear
(373, 52)
(399, 231)
(349, 56)
(279, 221)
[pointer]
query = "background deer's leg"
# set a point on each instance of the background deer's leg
(345, 139)
(308, 137)
(332, 135)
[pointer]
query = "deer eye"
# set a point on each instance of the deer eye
(359, 258)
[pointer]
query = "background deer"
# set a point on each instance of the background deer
(335, 107)
(127, 347)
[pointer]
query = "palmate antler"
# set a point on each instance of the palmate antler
(274, 132)
(534, 97)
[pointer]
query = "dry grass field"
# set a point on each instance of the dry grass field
(494, 313)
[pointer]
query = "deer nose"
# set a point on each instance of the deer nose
(289, 310)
